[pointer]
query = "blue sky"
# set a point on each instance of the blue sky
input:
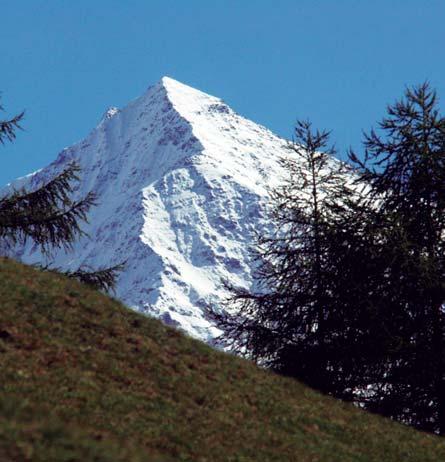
(338, 63)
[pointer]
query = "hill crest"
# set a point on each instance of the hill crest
(84, 378)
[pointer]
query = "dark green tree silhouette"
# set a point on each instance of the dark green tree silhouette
(303, 320)
(405, 169)
(350, 288)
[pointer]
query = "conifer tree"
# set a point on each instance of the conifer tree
(47, 215)
(303, 319)
(405, 169)
(351, 289)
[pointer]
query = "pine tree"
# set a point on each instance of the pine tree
(351, 290)
(405, 169)
(304, 319)
(8, 127)
(47, 215)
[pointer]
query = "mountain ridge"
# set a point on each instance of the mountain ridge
(182, 184)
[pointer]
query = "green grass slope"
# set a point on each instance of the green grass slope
(85, 379)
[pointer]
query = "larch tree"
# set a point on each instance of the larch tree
(404, 166)
(351, 285)
(303, 319)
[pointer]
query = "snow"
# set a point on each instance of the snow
(182, 182)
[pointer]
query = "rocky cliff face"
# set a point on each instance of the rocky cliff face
(181, 182)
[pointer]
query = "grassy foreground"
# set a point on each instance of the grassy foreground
(85, 379)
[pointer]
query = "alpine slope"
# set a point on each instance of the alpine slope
(182, 186)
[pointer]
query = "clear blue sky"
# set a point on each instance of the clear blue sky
(337, 63)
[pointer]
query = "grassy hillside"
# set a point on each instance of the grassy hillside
(84, 379)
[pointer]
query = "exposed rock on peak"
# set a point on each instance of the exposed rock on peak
(181, 181)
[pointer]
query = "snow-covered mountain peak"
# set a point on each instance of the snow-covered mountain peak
(189, 101)
(182, 184)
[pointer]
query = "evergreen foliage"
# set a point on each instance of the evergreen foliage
(48, 216)
(350, 288)
(8, 127)
(405, 168)
(101, 279)
(302, 321)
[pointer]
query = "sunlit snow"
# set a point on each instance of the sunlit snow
(181, 182)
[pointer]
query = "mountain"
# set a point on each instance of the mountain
(181, 182)
(85, 379)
